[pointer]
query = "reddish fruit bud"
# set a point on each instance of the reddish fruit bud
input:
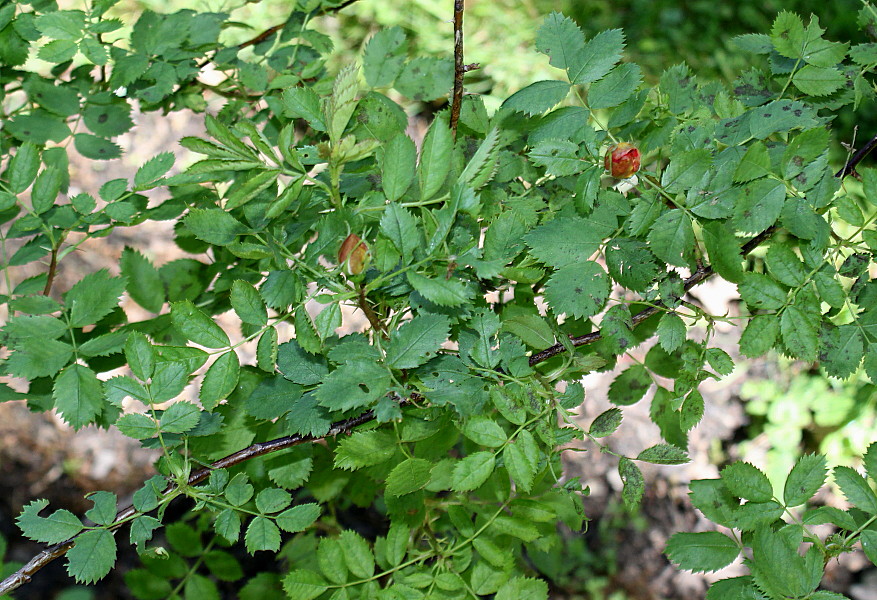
(622, 160)
(355, 252)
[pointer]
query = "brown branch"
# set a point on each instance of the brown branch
(373, 319)
(24, 574)
(459, 67)
(700, 274)
(850, 167)
(275, 28)
(50, 276)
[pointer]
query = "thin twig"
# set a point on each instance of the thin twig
(50, 276)
(459, 67)
(700, 274)
(275, 28)
(850, 167)
(24, 574)
(373, 319)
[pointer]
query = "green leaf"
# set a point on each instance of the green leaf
(484, 431)
(521, 458)
(408, 476)
(523, 587)
(397, 166)
(579, 289)
(357, 554)
(302, 101)
(559, 157)
(341, 104)
(196, 326)
(870, 460)
(671, 331)
(596, 58)
(606, 423)
(761, 292)
(671, 238)
(482, 166)
(702, 552)
(96, 148)
(747, 481)
(59, 526)
(220, 380)
(299, 517)
(78, 395)
(616, 87)
(720, 360)
(228, 525)
(303, 584)
(417, 341)
(787, 35)
(537, 97)
(856, 489)
(664, 454)
(137, 426)
(563, 241)
(531, 329)
(401, 228)
(46, 189)
(180, 417)
(724, 250)
(633, 481)
(785, 266)
(260, 180)
(104, 510)
(804, 480)
(759, 336)
(384, 56)
(364, 449)
(213, 225)
(561, 39)
(441, 291)
(23, 167)
(153, 169)
(58, 51)
(248, 304)
(143, 281)
(868, 538)
(818, 81)
(272, 500)
(754, 165)
(92, 556)
(299, 366)
(472, 471)
(841, 350)
(266, 350)
(353, 385)
(799, 335)
(262, 534)
(426, 78)
(686, 170)
(93, 297)
(630, 386)
(435, 155)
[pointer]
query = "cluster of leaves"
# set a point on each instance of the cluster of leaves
(743, 500)
(455, 385)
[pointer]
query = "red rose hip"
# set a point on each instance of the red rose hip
(355, 252)
(622, 160)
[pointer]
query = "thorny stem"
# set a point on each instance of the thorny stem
(459, 68)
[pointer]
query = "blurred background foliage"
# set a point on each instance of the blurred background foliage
(500, 33)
